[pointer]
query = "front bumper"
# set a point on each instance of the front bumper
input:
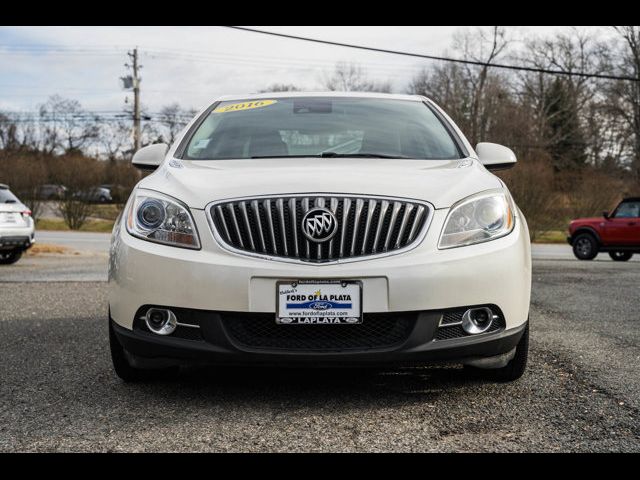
(423, 283)
(219, 346)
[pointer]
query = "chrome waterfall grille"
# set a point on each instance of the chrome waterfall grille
(319, 228)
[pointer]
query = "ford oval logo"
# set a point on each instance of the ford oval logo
(320, 305)
(319, 225)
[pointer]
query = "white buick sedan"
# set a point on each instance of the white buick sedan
(320, 229)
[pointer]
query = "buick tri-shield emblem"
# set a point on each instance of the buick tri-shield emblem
(319, 225)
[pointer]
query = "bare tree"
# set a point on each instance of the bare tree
(448, 86)
(17, 132)
(486, 47)
(8, 133)
(624, 96)
(468, 92)
(565, 109)
(115, 137)
(280, 87)
(173, 119)
(66, 126)
(351, 77)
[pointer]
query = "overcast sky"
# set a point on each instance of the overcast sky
(192, 65)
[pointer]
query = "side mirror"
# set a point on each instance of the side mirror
(495, 157)
(605, 214)
(150, 157)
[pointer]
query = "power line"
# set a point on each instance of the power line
(438, 58)
(388, 70)
(217, 57)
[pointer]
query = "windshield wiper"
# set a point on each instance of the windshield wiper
(10, 201)
(361, 155)
(336, 155)
(285, 156)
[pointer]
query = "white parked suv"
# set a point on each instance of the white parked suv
(17, 229)
(320, 229)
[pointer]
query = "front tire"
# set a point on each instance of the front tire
(9, 258)
(120, 363)
(129, 373)
(585, 247)
(511, 371)
(620, 256)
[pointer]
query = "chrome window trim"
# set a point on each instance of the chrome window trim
(429, 208)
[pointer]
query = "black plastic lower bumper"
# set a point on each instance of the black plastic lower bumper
(218, 346)
(15, 243)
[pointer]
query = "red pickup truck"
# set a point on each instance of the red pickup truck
(617, 232)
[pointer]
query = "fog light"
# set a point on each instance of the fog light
(477, 320)
(161, 321)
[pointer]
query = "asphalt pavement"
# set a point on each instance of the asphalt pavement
(58, 392)
(85, 259)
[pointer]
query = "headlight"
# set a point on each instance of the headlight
(161, 219)
(477, 219)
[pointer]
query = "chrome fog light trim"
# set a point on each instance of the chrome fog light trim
(161, 321)
(477, 320)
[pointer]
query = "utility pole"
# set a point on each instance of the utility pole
(134, 82)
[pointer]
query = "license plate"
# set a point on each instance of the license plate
(7, 218)
(319, 302)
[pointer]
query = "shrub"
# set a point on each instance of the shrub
(531, 184)
(79, 174)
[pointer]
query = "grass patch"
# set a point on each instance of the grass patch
(553, 236)
(99, 226)
(40, 248)
(107, 212)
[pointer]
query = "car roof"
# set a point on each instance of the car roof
(267, 95)
(4, 187)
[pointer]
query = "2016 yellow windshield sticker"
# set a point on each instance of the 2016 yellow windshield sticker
(236, 107)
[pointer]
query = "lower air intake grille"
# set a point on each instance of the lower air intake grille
(259, 331)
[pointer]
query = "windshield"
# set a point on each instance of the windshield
(7, 197)
(321, 126)
(628, 210)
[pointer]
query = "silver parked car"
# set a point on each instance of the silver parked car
(52, 192)
(96, 195)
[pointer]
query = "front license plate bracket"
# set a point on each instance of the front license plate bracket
(319, 302)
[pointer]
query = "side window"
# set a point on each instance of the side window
(628, 210)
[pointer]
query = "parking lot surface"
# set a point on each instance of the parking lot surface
(58, 392)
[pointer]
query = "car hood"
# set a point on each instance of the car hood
(440, 182)
(587, 220)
